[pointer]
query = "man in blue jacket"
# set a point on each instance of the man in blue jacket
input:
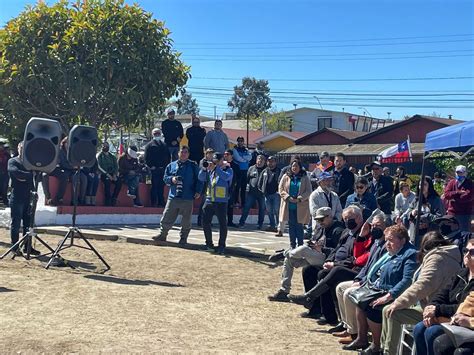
(218, 176)
(182, 178)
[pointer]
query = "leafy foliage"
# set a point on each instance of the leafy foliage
(446, 163)
(187, 105)
(274, 120)
(98, 62)
(251, 99)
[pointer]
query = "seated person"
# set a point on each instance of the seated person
(347, 328)
(464, 317)
(314, 253)
(92, 175)
(346, 255)
(402, 202)
(347, 270)
(362, 197)
(108, 169)
(444, 304)
(129, 173)
(436, 254)
(449, 228)
(393, 274)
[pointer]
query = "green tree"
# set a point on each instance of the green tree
(187, 105)
(252, 98)
(99, 62)
(274, 121)
(446, 163)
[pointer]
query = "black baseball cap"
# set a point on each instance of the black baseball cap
(217, 156)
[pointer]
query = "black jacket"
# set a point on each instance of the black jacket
(195, 137)
(448, 299)
(343, 254)
(268, 183)
(255, 154)
(383, 192)
(22, 179)
(344, 184)
(157, 154)
(172, 129)
(332, 234)
(253, 175)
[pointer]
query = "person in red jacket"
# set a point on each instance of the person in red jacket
(347, 270)
(460, 196)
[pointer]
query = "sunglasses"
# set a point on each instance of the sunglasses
(468, 251)
(360, 187)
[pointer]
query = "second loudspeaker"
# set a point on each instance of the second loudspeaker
(82, 146)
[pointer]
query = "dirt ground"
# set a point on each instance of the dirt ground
(154, 299)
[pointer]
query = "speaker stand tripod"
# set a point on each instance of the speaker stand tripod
(27, 240)
(74, 232)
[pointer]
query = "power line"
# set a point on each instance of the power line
(331, 46)
(345, 80)
(316, 55)
(330, 41)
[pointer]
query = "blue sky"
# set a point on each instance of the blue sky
(315, 46)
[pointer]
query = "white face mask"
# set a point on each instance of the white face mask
(157, 138)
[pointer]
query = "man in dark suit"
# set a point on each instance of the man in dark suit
(382, 188)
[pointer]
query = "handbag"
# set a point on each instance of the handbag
(365, 294)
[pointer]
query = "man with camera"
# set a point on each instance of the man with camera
(22, 189)
(182, 177)
(218, 175)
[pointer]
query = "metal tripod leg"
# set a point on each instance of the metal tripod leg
(92, 248)
(24, 240)
(58, 248)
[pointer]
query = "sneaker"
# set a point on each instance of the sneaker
(279, 234)
(271, 229)
(137, 204)
(220, 251)
(301, 300)
(210, 247)
(280, 296)
(16, 252)
(278, 255)
(160, 237)
(131, 195)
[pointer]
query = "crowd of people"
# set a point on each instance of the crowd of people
(373, 248)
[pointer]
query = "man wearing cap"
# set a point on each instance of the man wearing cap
(216, 139)
(218, 175)
(242, 156)
(323, 196)
(449, 228)
(382, 188)
(129, 170)
(314, 253)
(254, 194)
(259, 150)
(195, 135)
(4, 179)
(173, 132)
(460, 196)
(182, 177)
(324, 165)
(268, 185)
(157, 157)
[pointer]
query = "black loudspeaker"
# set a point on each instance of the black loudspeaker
(41, 144)
(82, 146)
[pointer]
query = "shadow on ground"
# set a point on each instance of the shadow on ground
(122, 281)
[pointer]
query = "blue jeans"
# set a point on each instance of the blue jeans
(295, 229)
(20, 211)
(251, 199)
(132, 183)
(273, 208)
(424, 337)
(92, 184)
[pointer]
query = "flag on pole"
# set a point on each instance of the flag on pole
(398, 153)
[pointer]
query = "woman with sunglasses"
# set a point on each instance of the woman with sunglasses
(362, 197)
(445, 304)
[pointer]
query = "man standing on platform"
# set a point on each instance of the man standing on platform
(195, 135)
(157, 158)
(216, 139)
(173, 133)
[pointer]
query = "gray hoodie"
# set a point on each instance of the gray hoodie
(216, 140)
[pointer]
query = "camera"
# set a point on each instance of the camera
(179, 186)
(205, 164)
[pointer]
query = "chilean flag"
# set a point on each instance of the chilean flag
(398, 153)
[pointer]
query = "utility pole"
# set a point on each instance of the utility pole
(388, 115)
(295, 105)
(215, 115)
